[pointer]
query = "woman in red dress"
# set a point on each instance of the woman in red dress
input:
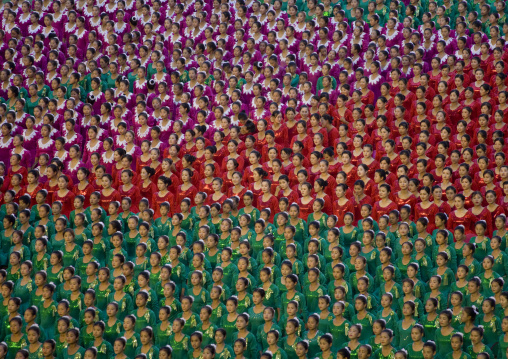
(147, 188)
(64, 196)
(426, 208)
(206, 184)
(165, 196)
(186, 189)
(128, 189)
(83, 188)
(232, 150)
(320, 185)
(108, 193)
(461, 216)
(255, 187)
(51, 184)
(404, 196)
(267, 199)
(237, 189)
(33, 186)
(306, 201)
(481, 213)
(342, 205)
(285, 191)
(303, 137)
(218, 196)
(385, 205)
(248, 174)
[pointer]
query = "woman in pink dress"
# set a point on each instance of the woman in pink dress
(44, 145)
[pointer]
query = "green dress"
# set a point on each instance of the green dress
(290, 349)
(474, 354)
(252, 345)
(226, 353)
(430, 327)
(443, 343)
(208, 334)
(339, 334)
(132, 345)
(14, 347)
(162, 335)
(148, 318)
(314, 348)
(229, 327)
(125, 305)
(491, 330)
(262, 334)
(180, 348)
(112, 332)
(24, 293)
(80, 354)
(402, 337)
(47, 316)
(366, 323)
(104, 350)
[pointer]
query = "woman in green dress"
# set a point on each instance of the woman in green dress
(73, 350)
(444, 333)
(314, 336)
(144, 316)
(414, 349)
(147, 347)
(457, 343)
(339, 326)
(291, 339)
(16, 340)
(222, 350)
(477, 346)
(252, 346)
(24, 286)
(313, 291)
(71, 251)
(131, 336)
(404, 326)
(197, 292)
(354, 334)
(228, 322)
(257, 309)
(178, 340)
(6, 238)
(48, 311)
(124, 300)
(113, 326)
(104, 348)
(490, 322)
(207, 328)
(269, 324)
(386, 350)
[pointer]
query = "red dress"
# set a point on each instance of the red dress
(467, 221)
(157, 201)
(272, 204)
(148, 192)
(487, 217)
(206, 187)
(378, 211)
(292, 197)
(89, 189)
(32, 194)
(106, 200)
(340, 211)
(189, 193)
(231, 193)
(67, 202)
(430, 213)
(134, 194)
(305, 209)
